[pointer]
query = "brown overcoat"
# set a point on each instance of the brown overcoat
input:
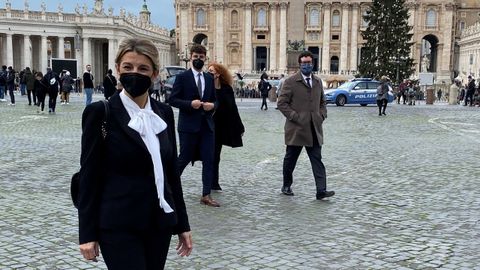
(302, 106)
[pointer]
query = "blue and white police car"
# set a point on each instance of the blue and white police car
(361, 91)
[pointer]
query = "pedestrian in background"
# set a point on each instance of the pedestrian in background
(264, 87)
(130, 195)
(52, 80)
(10, 78)
(470, 91)
(382, 95)
(109, 84)
(453, 95)
(193, 94)
(3, 83)
(229, 128)
(67, 87)
(41, 89)
(88, 84)
(303, 126)
(30, 86)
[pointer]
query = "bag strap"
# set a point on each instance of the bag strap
(105, 118)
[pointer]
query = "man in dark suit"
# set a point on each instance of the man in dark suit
(194, 94)
(302, 101)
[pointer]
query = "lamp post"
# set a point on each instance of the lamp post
(184, 56)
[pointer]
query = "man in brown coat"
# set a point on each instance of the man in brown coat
(302, 101)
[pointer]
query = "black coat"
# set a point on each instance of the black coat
(228, 124)
(109, 86)
(117, 186)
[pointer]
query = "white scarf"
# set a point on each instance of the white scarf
(148, 124)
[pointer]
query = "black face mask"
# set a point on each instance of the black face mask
(198, 63)
(135, 84)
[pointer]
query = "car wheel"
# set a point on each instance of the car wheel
(341, 100)
(364, 105)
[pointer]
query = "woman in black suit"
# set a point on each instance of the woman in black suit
(130, 195)
(229, 128)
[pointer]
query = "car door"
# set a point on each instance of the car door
(372, 92)
(358, 93)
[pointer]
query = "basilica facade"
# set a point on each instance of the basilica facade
(89, 36)
(252, 36)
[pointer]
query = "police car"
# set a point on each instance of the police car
(361, 91)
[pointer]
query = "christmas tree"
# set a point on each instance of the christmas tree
(388, 41)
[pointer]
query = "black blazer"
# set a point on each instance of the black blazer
(228, 124)
(183, 92)
(117, 185)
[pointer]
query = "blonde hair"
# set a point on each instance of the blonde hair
(140, 46)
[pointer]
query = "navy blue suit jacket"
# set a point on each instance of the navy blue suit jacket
(183, 93)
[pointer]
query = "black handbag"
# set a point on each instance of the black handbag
(75, 181)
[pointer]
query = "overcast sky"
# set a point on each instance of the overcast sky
(163, 12)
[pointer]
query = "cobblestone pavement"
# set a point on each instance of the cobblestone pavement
(407, 193)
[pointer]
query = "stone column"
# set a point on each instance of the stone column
(9, 50)
(87, 59)
(445, 72)
(326, 37)
(183, 25)
(111, 55)
(43, 54)
(61, 47)
(219, 32)
(273, 37)
(247, 49)
(27, 52)
(282, 66)
(344, 38)
(354, 41)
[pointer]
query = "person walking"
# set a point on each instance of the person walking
(10, 78)
(67, 87)
(303, 124)
(193, 94)
(264, 87)
(470, 91)
(88, 84)
(41, 90)
(382, 95)
(3, 83)
(52, 80)
(130, 199)
(30, 86)
(229, 128)
(109, 84)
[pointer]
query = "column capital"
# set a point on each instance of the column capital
(327, 5)
(247, 6)
(355, 5)
(218, 5)
(346, 5)
(273, 5)
(449, 6)
(184, 5)
(283, 5)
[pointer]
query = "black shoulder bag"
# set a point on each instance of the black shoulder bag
(75, 182)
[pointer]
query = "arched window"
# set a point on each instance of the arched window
(262, 17)
(234, 19)
(201, 20)
(336, 18)
(431, 18)
(314, 17)
(461, 25)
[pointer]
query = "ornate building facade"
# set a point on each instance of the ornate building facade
(255, 35)
(469, 60)
(33, 38)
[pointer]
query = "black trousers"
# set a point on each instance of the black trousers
(382, 104)
(30, 93)
(195, 146)
(469, 97)
(139, 250)
(41, 99)
(264, 103)
(11, 94)
(315, 156)
(52, 100)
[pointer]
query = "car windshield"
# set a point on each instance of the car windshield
(347, 85)
(175, 70)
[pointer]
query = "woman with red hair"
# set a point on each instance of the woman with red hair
(228, 125)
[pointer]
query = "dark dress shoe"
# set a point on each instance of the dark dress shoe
(325, 194)
(287, 191)
(208, 201)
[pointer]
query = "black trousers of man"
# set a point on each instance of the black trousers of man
(315, 156)
(469, 97)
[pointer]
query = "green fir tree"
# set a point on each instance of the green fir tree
(388, 41)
